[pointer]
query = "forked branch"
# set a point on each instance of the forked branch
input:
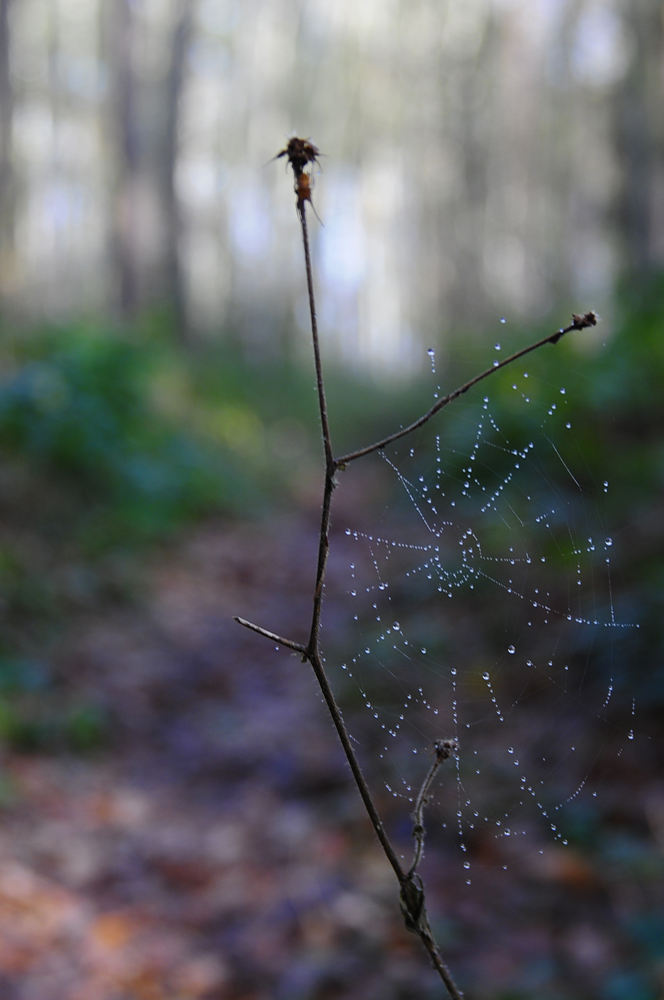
(442, 750)
(302, 154)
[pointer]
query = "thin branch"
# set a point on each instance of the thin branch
(412, 891)
(301, 153)
(330, 467)
(360, 781)
(272, 636)
(578, 323)
(323, 550)
(316, 662)
(412, 898)
(442, 750)
(411, 888)
(320, 385)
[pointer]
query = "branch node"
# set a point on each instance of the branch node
(411, 901)
(442, 750)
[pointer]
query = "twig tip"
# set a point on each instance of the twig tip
(582, 322)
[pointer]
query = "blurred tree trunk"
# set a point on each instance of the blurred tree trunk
(639, 136)
(6, 171)
(146, 117)
(127, 147)
(170, 286)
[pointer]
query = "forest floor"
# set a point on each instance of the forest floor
(215, 848)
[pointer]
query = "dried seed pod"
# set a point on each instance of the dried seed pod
(581, 322)
(300, 152)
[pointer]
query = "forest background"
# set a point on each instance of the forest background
(176, 818)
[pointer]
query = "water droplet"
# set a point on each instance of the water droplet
(423, 651)
(510, 749)
(495, 364)
(497, 347)
(396, 626)
(503, 320)
(568, 426)
(608, 543)
(562, 392)
(485, 676)
(511, 649)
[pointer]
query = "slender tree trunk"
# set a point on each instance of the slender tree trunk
(126, 142)
(6, 164)
(639, 136)
(170, 288)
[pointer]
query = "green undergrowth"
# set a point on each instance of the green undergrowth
(608, 383)
(112, 443)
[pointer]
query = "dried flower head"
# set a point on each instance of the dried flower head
(581, 322)
(445, 748)
(300, 152)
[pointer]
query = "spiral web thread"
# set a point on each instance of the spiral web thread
(487, 518)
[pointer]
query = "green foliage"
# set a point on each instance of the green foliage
(629, 985)
(33, 725)
(612, 376)
(77, 407)
(116, 441)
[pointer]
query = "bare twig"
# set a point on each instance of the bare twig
(297, 646)
(442, 750)
(301, 154)
(578, 323)
(320, 385)
(414, 914)
(319, 670)
(412, 892)
(323, 550)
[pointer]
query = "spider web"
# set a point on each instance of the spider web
(483, 610)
